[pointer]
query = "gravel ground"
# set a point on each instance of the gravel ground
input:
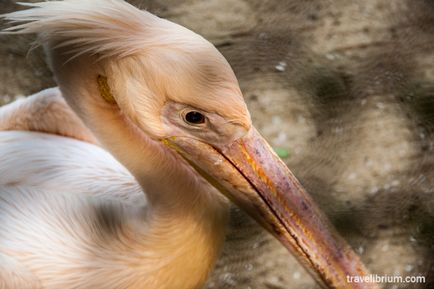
(347, 88)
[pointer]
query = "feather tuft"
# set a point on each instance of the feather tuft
(107, 28)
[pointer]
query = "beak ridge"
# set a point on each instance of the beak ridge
(249, 173)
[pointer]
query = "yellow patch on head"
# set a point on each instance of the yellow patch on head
(104, 89)
(167, 142)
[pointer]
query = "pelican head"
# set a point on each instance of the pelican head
(172, 86)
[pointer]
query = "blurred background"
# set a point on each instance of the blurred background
(344, 91)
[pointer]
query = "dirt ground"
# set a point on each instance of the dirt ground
(347, 88)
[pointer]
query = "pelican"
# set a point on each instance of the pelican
(130, 188)
(45, 111)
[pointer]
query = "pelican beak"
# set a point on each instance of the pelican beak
(249, 173)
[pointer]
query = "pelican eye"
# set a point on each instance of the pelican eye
(194, 117)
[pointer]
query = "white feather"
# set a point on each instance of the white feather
(75, 218)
